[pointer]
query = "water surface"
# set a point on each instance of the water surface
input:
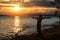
(10, 25)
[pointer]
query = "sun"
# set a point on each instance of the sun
(17, 8)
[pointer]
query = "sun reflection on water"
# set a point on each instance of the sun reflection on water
(17, 21)
(17, 24)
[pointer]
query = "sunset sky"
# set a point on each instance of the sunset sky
(17, 10)
(4, 0)
(17, 0)
(28, 0)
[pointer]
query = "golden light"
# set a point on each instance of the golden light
(16, 29)
(17, 8)
(5, 0)
(17, 21)
(17, 24)
(27, 0)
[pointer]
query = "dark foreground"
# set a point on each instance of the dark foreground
(35, 37)
(49, 34)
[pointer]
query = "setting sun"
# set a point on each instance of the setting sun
(17, 8)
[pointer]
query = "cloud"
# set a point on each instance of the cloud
(4, 0)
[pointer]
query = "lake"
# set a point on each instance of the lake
(10, 25)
